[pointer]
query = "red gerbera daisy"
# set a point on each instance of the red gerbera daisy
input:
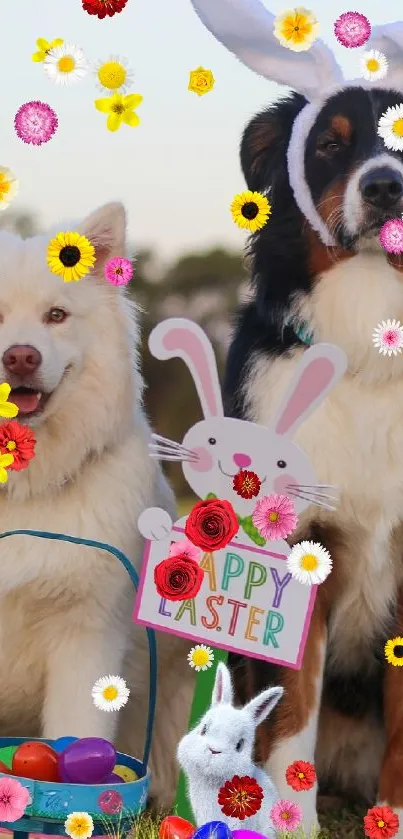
(240, 797)
(103, 8)
(18, 440)
(247, 484)
(300, 775)
(381, 823)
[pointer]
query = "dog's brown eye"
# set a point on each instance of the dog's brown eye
(56, 315)
(328, 145)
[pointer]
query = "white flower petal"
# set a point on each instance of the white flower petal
(319, 574)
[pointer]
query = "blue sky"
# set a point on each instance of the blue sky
(178, 171)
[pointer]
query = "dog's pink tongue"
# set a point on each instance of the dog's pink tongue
(26, 402)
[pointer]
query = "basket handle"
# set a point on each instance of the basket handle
(103, 546)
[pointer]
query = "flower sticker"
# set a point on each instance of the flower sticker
(300, 775)
(250, 210)
(178, 578)
(118, 271)
(381, 823)
(309, 563)
(103, 8)
(201, 81)
(120, 109)
(66, 64)
(240, 798)
(374, 65)
(352, 29)
(387, 337)
(211, 524)
(110, 693)
(35, 123)
(296, 29)
(391, 235)
(79, 826)
(274, 517)
(14, 798)
(71, 256)
(286, 816)
(246, 484)
(44, 48)
(390, 127)
(18, 440)
(7, 409)
(8, 187)
(394, 651)
(113, 74)
(185, 548)
(201, 657)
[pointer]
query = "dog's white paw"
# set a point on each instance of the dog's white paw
(154, 524)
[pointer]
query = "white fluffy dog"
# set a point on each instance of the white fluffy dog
(69, 353)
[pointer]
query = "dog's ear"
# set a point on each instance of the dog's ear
(106, 230)
(265, 141)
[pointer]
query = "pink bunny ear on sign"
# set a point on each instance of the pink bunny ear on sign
(318, 371)
(246, 27)
(182, 338)
(389, 40)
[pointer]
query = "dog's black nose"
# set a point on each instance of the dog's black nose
(382, 187)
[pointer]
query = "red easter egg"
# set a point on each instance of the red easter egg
(4, 769)
(37, 761)
(174, 827)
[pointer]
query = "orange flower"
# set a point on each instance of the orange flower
(300, 775)
(381, 823)
(18, 440)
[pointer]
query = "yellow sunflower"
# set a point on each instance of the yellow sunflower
(70, 255)
(296, 29)
(394, 651)
(250, 210)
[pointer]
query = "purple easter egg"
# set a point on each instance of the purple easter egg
(113, 779)
(246, 834)
(87, 761)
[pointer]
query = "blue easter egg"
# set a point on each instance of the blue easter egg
(61, 744)
(213, 830)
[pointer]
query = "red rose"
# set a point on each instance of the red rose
(178, 578)
(211, 524)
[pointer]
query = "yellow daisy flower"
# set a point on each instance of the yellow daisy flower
(7, 409)
(250, 210)
(296, 29)
(70, 255)
(5, 461)
(201, 657)
(120, 109)
(8, 187)
(44, 48)
(394, 651)
(79, 825)
(201, 81)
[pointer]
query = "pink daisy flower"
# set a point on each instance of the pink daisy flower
(391, 235)
(387, 337)
(352, 29)
(286, 816)
(186, 549)
(35, 123)
(14, 798)
(274, 517)
(118, 270)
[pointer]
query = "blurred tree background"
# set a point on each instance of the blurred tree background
(205, 287)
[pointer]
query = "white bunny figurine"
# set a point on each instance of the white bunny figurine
(220, 747)
(215, 449)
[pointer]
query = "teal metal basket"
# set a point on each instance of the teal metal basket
(108, 804)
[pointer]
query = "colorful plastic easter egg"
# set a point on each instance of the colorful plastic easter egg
(87, 761)
(110, 802)
(4, 769)
(174, 827)
(247, 834)
(6, 755)
(213, 830)
(61, 744)
(37, 761)
(113, 779)
(128, 775)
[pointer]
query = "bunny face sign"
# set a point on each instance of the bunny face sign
(245, 586)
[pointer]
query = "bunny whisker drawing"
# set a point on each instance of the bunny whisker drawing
(313, 495)
(164, 449)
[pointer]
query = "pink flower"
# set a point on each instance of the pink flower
(286, 816)
(274, 517)
(13, 799)
(391, 235)
(352, 29)
(185, 549)
(35, 123)
(118, 270)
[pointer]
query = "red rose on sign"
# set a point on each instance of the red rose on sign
(211, 524)
(178, 578)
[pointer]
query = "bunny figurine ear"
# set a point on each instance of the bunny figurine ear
(318, 371)
(262, 705)
(246, 28)
(388, 39)
(222, 690)
(182, 338)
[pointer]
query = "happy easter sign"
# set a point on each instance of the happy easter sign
(248, 603)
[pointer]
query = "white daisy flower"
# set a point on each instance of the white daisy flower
(110, 693)
(201, 657)
(114, 74)
(309, 563)
(388, 337)
(8, 187)
(374, 65)
(390, 128)
(66, 64)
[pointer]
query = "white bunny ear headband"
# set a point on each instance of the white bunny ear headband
(246, 28)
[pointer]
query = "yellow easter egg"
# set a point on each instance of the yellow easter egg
(125, 773)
